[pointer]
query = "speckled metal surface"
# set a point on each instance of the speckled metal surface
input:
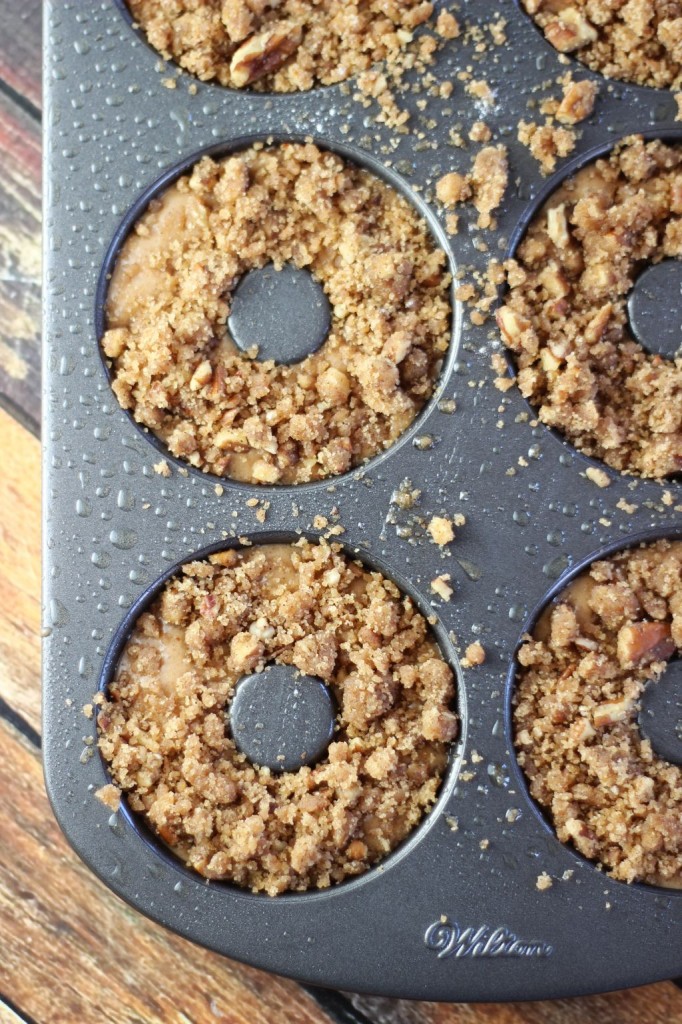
(439, 918)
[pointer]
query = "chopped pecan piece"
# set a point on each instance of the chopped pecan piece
(262, 54)
(644, 641)
(578, 102)
(611, 712)
(516, 329)
(570, 31)
(557, 226)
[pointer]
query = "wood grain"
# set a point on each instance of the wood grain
(20, 571)
(20, 48)
(20, 260)
(653, 1004)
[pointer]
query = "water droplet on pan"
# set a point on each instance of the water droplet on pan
(123, 539)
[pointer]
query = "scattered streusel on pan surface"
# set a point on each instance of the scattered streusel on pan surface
(579, 686)
(565, 317)
(164, 729)
(279, 45)
(636, 41)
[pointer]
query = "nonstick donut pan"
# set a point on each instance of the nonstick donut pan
(455, 912)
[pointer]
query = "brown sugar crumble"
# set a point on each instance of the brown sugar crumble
(544, 882)
(441, 530)
(164, 732)
(485, 185)
(474, 655)
(565, 317)
(181, 375)
(441, 586)
(635, 41)
(580, 681)
(552, 141)
(110, 796)
(547, 142)
(282, 45)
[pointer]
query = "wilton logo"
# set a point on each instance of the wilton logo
(452, 940)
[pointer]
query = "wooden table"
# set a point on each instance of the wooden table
(70, 951)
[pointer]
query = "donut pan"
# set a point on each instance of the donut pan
(453, 914)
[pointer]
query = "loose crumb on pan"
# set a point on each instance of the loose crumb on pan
(547, 142)
(565, 317)
(485, 185)
(474, 655)
(580, 681)
(598, 476)
(552, 141)
(441, 531)
(282, 45)
(441, 586)
(635, 41)
(179, 372)
(544, 882)
(110, 796)
(164, 731)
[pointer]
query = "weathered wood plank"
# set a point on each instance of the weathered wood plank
(653, 1004)
(20, 571)
(20, 259)
(20, 48)
(72, 951)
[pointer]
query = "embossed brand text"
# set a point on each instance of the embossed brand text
(450, 939)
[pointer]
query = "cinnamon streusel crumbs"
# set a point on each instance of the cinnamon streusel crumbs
(281, 45)
(565, 317)
(175, 366)
(485, 185)
(636, 41)
(441, 531)
(164, 729)
(474, 655)
(580, 681)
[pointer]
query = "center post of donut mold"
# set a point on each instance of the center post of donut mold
(660, 715)
(655, 308)
(282, 315)
(281, 719)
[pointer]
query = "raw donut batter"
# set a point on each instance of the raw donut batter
(179, 372)
(164, 730)
(636, 41)
(580, 681)
(279, 45)
(565, 317)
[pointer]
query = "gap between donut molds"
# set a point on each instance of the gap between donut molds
(355, 157)
(158, 849)
(541, 816)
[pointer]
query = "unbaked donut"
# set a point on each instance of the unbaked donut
(565, 317)
(164, 728)
(579, 684)
(281, 45)
(175, 366)
(636, 41)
